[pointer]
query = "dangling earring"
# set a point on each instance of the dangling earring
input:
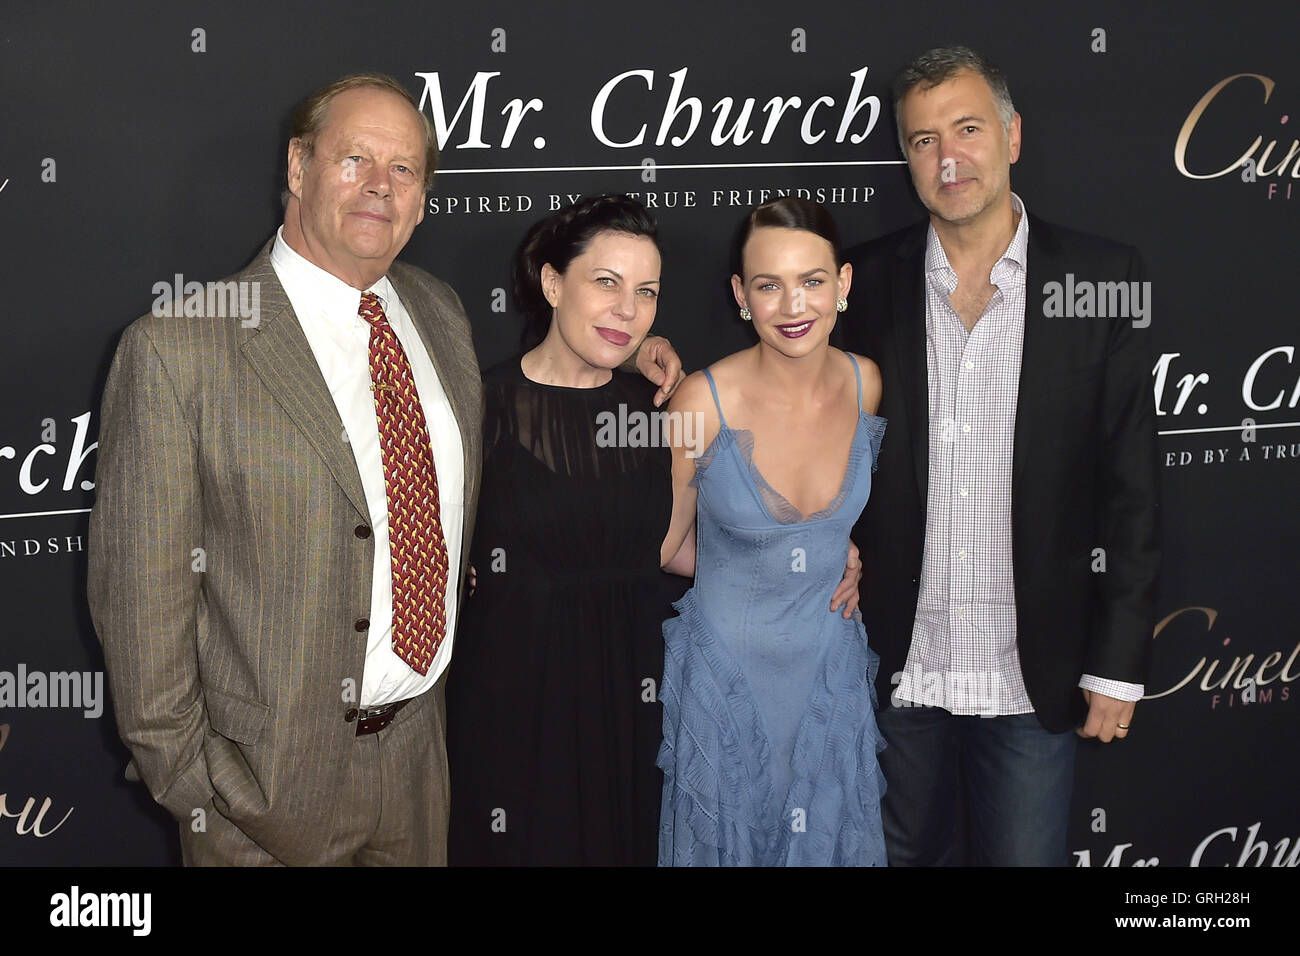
(841, 304)
(746, 314)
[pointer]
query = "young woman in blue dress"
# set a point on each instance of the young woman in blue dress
(770, 740)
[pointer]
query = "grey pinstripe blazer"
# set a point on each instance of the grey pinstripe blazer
(228, 681)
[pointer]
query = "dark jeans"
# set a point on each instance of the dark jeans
(1015, 779)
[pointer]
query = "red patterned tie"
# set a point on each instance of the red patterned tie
(419, 552)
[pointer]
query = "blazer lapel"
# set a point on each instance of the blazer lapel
(1037, 357)
(282, 358)
(908, 296)
(425, 318)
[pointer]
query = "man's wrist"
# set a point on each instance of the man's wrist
(1120, 690)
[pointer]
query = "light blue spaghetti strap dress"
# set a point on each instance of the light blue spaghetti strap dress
(770, 739)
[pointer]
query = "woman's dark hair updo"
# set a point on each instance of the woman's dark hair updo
(788, 212)
(559, 239)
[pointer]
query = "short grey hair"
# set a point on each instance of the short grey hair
(310, 115)
(940, 65)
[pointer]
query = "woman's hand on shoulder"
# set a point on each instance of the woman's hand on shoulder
(659, 362)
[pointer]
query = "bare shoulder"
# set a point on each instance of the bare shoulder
(694, 397)
(732, 369)
(734, 374)
(729, 374)
(871, 382)
(694, 400)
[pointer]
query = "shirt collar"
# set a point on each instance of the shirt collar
(936, 260)
(323, 293)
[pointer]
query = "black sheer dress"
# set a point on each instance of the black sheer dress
(553, 719)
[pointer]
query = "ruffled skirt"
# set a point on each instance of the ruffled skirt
(719, 807)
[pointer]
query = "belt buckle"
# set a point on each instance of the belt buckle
(377, 718)
(372, 725)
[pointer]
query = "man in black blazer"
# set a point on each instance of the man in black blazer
(1010, 545)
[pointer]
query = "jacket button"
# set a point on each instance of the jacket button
(362, 531)
(362, 624)
(351, 715)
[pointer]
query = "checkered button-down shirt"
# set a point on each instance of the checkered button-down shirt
(963, 654)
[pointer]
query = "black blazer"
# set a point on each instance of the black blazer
(1083, 474)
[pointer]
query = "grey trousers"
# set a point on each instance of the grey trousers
(392, 812)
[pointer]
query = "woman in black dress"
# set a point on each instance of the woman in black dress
(553, 717)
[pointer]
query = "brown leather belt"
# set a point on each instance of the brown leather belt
(371, 720)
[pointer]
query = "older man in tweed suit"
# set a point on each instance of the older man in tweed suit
(278, 544)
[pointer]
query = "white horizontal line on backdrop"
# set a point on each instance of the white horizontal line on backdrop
(42, 514)
(1227, 428)
(600, 169)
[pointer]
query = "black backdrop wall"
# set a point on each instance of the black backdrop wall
(145, 142)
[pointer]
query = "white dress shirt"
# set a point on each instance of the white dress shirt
(328, 311)
(963, 656)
